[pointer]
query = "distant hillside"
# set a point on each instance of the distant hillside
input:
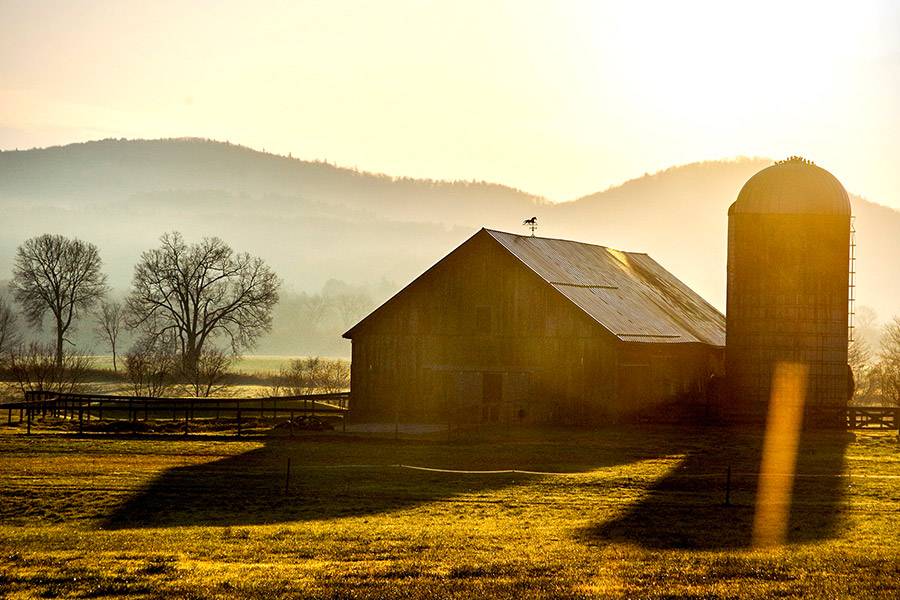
(115, 170)
(679, 216)
(311, 220)
(316, 222)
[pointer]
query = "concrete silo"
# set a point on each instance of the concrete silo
(788, 276)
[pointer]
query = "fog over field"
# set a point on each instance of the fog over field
(333, 231)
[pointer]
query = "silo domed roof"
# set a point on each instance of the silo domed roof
(792, 186)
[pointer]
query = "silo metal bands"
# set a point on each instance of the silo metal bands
(788, 269)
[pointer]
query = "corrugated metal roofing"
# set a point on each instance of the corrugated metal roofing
(628, 293)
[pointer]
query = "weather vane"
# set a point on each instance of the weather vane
(531, 223)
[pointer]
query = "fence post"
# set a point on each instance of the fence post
(239, 418)
(186, 421)
(28, 417)
(80, 419)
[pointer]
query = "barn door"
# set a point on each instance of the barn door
(491, 397)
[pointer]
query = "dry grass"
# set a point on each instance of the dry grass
(633, 513)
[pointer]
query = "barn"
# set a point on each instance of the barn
(520, 329)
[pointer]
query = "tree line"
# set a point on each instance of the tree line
(874, 357)
(316, 320)
(192, 309)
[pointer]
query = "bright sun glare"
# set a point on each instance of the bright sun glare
(490, 90)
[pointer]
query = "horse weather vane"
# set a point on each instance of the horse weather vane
(531, 223)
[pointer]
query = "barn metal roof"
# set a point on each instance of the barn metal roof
(628, 293)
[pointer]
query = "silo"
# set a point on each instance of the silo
(788, 277)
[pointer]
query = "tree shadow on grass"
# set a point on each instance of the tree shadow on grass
(341, 477)
(687, 508)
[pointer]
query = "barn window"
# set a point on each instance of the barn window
(483, 319)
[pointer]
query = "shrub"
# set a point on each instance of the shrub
(314, 374)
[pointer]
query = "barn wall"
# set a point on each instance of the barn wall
(480, 337)
(667, 381)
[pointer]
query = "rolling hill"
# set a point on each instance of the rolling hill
(314, 222)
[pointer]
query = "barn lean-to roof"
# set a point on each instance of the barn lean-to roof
(627, 293)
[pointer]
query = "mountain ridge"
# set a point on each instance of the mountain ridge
(314, 221)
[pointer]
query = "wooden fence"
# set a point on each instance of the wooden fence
(134, 409)
(873, 417)
(271, 410)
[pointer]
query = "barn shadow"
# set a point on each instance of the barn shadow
(333, 478)
(693, 507)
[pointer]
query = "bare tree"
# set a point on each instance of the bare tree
(150, 366)
(200, 292)
(316, 308)
(34, 367)
(276, 383)
(9, 329)
(859, 358)
(108, 322)
(9, 340)
(209, 375)
(314, 375)
(335, 376)
(302, 375)
(866, 327)
(889, 365)
(351, 307)
(60, 275)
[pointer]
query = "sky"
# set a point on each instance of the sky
(560, 98)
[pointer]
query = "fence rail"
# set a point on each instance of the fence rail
(136, 409)
(873, 417)
(270, 409)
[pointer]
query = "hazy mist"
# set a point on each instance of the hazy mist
(330, 231)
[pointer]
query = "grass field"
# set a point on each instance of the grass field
(627, 513)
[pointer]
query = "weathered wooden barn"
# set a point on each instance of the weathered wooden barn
(509, 328)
